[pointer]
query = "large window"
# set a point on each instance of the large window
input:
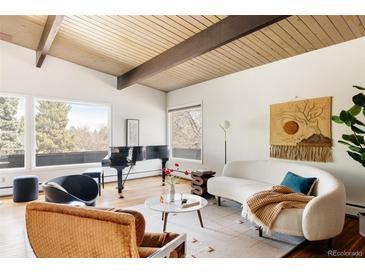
(185, 128)
(11, 132)
(70, 133)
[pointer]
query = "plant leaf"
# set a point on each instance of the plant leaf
(357, 130)
(356, 140)
(355, 110)
(337, 119)
(359, 100)
(363, 156)
(349, 119)
(345, 117)
(356, 149)
(355, 156)
(344, 143)
(352, 147)
(358, 87)
(356, 121)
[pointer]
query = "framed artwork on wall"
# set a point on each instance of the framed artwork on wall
(132, 132)
(301, 130)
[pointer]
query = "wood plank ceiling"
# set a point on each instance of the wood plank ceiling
(117, 44)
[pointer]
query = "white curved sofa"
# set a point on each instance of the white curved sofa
(322, 218)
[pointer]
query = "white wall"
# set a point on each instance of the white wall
(62, 79)
(244, 99)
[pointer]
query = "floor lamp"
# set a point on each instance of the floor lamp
(225, 126)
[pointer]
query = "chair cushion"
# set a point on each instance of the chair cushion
(298, 183)
(55, 185)
(140, 223)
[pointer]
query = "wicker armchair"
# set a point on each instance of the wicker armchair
(63, 231)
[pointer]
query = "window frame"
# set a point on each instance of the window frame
(169, 131)
(26, 142)
(33, 151)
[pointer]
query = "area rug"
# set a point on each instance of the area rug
(225, 234)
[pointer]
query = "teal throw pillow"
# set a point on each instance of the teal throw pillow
(298, 183)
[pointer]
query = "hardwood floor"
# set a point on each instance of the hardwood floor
(14, 243)
(348, 244)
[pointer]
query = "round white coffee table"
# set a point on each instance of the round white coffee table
(176, 207)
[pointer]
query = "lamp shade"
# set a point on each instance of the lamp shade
(225, 124)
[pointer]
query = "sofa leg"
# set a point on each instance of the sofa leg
(260, 231)
(219, 201)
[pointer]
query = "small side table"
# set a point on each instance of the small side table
(96, 173)
(199, 183)
(166, 207)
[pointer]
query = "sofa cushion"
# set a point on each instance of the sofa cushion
(289, 221)
(237, 189)
(298, 183)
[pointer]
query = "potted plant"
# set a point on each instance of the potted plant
(172, 179)
(355, 141)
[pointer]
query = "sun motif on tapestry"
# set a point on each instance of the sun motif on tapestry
(301, 130)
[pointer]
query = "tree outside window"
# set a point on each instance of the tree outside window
(11, 132)
(70, 133)
(186, 133)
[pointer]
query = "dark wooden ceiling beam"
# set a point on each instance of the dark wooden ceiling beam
(229, 29)
(48, 35)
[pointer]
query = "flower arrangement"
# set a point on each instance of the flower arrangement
(172, 179)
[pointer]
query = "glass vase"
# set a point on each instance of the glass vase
(171, 195)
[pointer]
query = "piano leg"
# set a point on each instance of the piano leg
(163, 173)
(120, 183)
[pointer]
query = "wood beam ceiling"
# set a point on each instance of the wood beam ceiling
(118, 44)
(225, 31)
(49, 33)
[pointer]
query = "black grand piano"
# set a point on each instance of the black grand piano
(127, 156)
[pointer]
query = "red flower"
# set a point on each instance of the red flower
(164, 169)
(171, 170)
(177, 164)
(186, 172)
(167, 172)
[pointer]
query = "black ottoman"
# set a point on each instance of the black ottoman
(25, 188)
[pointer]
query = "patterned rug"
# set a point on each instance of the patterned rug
(225, 234)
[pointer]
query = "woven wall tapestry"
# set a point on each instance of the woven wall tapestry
(301, 130)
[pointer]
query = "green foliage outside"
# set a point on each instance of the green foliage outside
(11, 129)
(351, 118)
(52, 133)
(50, 123)
(53, 136)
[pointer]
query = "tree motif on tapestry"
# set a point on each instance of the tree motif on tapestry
(301, 130)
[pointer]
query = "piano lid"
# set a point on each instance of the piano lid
(138, 153)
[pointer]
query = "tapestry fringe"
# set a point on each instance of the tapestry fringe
(302, 153)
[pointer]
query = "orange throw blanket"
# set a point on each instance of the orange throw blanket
(264, 207)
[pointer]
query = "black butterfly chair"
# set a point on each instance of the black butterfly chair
(72, 189)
